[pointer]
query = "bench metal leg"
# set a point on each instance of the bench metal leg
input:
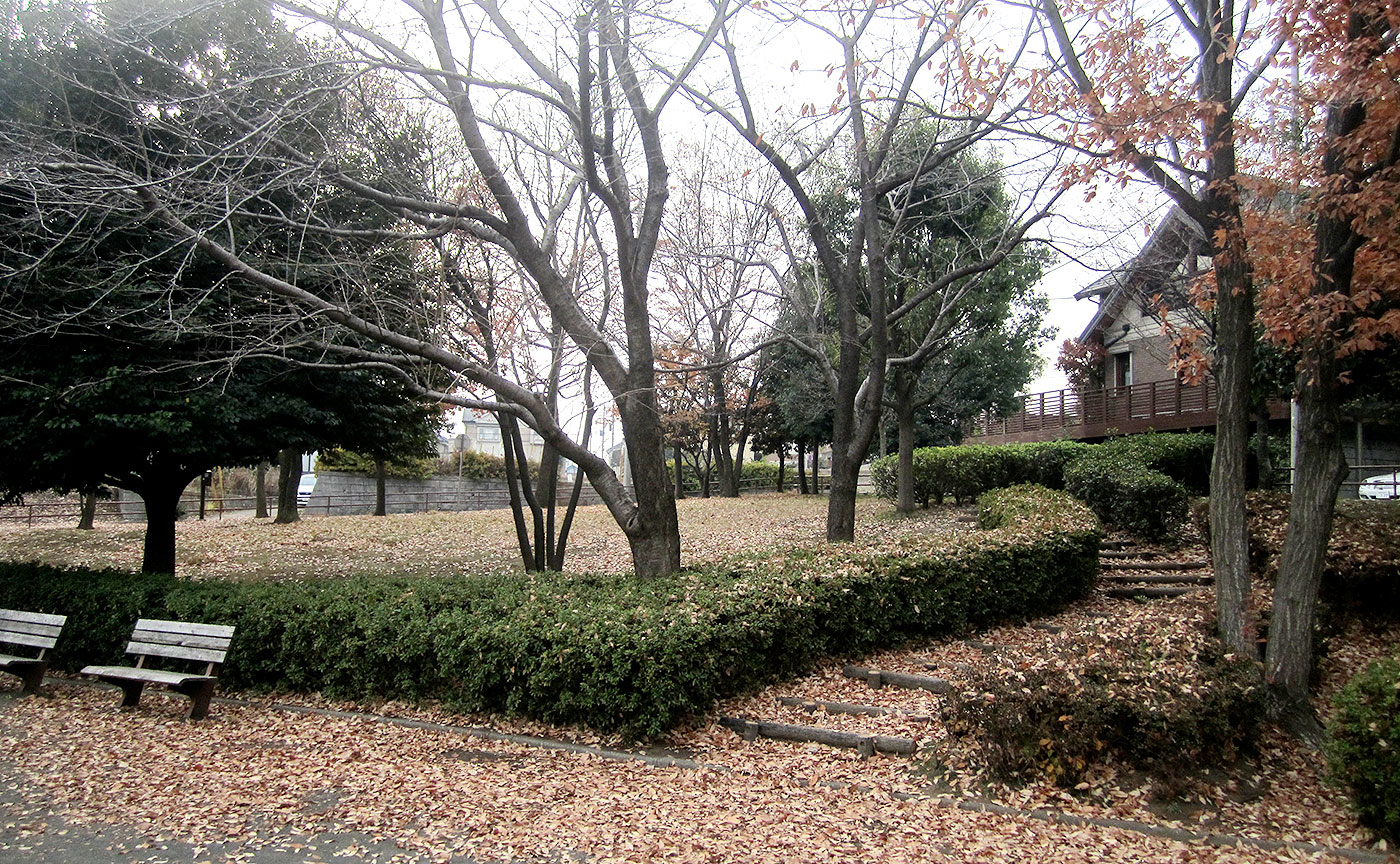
(200, 692)
(131, 692)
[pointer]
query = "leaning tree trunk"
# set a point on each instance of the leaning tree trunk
(1321, 464)
(1321, 468)
(288, 480)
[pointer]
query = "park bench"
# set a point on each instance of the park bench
(176, 640)
(29, 630)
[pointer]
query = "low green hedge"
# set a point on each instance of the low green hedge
(1363, 746)
(1138, 483)
(1124, 493)
(613, 652)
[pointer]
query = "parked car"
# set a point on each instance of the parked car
(1382, 487)
(304, 489)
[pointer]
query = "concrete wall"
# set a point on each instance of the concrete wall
(341, 493)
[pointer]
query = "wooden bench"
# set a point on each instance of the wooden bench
(29, 630)
(177, 640)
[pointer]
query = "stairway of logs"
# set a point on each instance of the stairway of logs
(1127, 571)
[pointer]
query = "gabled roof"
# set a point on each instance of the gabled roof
(1145, 272)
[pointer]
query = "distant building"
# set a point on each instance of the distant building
(482, 434)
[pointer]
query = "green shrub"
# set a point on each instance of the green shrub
(1183, 456)
(613, 652)
(760, 474)
(1166, 718)
(1363, 748)
(1125, 494)
(1046, 462)
(336, 459)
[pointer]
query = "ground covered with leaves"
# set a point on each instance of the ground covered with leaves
(451, 543)
(436, 791)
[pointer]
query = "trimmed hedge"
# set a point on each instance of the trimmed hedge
(1363, 747)
(1139, 483)
(1125, 493)
(612, 652)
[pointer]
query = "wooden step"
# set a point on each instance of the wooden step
(877, 679)
(867, 745)
(1125, 553)
(1158, 579)
(812, 706)
(1150, 591)
(1157, 565)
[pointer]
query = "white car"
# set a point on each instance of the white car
(304, 489)
(1382, 487)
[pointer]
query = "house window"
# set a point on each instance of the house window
(1122, 369)
(488, 433)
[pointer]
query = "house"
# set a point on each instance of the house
(482, 434)
(1135, 388)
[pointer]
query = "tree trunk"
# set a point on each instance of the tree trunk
(88, 498)
(782, 460)
(380, 469)
(904, 415)
(1263, 459)
(680, 473)
(653, 533)
(162, 501)
(260, 491)
(288, 480)
(1318, 476)
(801, 468)
(1321, 466)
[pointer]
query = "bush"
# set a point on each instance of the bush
(1183, 456)
(1167, 716)
(759, 474)
(1125, 494)
(613, 652)
(336, 459)
(1363, 748)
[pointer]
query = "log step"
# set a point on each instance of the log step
(1159, 565)
(1155, 591)
(814, 705)
(1125, 553)
(877, 679)
(1158, 578)
(867, 745)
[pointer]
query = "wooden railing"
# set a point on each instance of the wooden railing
(1080, 414)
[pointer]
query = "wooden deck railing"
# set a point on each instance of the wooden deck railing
(1080, 414)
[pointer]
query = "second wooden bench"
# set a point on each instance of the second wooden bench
(206, 644)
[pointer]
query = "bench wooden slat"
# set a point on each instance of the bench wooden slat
(194, 629)
(28, 639)
(177, 652)
(32, 617)
(217, 643)
(155, 676)
(49, 630)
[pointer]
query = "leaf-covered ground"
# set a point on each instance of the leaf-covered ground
(252, 769)
(443, 543)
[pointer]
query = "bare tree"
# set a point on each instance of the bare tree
(718, 260)
(578, 69)
(893, 65)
